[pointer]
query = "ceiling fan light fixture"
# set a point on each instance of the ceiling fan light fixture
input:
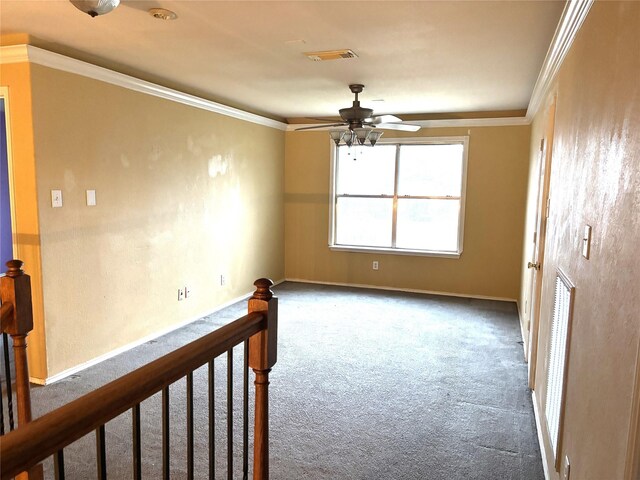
(336, 135)
(349, 136)
(362, 134)
(374, 135)
(95, 7)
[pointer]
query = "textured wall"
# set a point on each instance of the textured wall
(183, 196)
(490, 264)
(17, 79)
(595, 181)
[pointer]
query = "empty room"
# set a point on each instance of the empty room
(320, 240)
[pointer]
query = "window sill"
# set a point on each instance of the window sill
(394, 251)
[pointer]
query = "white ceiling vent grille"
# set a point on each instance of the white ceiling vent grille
(330, 55)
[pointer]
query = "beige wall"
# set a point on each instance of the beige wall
(596, 181)
(183, 196)
(22, 170)
(490, 264)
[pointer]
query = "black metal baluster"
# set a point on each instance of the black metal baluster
(230, 414)
(7, 372)
(101, 453)
(1, 408)
(58, 464)
(245, 415)
(212, 421)
(165, 433)
(190, 425)
(137, 448)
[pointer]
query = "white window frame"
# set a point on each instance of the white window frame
(461, 140)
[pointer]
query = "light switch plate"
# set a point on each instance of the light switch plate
(91, 198)
(56, 198)
(586, 242)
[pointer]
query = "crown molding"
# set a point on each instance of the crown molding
(13, 54)
(39, 56)
(573, 15)
(453, 122)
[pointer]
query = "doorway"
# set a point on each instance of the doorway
(6, 230)
(536, 265)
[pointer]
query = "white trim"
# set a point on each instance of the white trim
(394, 251)
(524, 340)
(428, 140)
(632, 466)
(4, 94)
(395, 289)
(137, 343)
(13, 54)
(573, 15)
(23, 53)
(543, 451)
(451, 122)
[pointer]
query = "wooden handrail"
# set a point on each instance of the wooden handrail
(25, 447)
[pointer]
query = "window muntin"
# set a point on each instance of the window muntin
(401, 197)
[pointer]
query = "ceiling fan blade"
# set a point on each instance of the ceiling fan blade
(383, 119)
(406, 127)
(322, 126)
(334, 119)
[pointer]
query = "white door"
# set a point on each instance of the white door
(536, 264)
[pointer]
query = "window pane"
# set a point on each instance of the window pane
(428, 224)
(430, 170)
(364, 221)
(366, 170)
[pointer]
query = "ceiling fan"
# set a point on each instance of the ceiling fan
(360, 122)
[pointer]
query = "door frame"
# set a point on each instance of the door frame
(542, 214)
(4, 94)
(632, 467)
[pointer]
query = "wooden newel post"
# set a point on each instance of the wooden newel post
(262, 356)
(15, 289)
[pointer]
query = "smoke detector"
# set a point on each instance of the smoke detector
(162, 14)
(330, 55)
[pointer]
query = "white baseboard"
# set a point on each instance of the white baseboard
(524, 341)
(137, 343)
(543, 451)
(409, 290)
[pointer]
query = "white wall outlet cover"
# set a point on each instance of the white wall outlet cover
(56, 198)
(91, 198)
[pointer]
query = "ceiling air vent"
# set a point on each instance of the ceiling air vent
(330, 55)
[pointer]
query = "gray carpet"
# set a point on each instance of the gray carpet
(368, 385)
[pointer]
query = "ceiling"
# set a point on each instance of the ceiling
(414, 57)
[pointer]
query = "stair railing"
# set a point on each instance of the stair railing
(50, 434)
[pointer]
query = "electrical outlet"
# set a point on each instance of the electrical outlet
(375, 265)
(187, 292)
(180, 294)
(223, 280)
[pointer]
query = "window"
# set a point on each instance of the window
(404, 197)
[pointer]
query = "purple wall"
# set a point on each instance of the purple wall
(6, 245)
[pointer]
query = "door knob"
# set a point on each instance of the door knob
(533, 265)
